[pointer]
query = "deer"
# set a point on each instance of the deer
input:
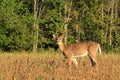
(80, 49)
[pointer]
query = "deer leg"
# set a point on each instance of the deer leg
(75, 61)
(93, 61)
(70, 60)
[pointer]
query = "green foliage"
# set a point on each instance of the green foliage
(15, 29)
(95, 20)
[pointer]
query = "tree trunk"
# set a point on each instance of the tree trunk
(110, 35)
(38, 9)
(35, 45)
(116, 9)
(111, 22)
(65, 26)
(67, 17)
(35, 26)
(78, 32)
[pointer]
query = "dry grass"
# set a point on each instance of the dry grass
(40, 67)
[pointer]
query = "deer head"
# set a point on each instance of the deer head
(60, 39)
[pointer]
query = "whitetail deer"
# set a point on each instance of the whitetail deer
(71, 51)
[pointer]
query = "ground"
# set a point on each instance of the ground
(25, 66)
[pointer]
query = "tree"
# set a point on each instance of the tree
(67, 8)
(15, 26)
(30, 24)
(38, 8)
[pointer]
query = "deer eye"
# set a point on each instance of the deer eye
(59, 39)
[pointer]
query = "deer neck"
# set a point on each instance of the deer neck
(61, 46)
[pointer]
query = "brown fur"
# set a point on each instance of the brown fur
(71, 51)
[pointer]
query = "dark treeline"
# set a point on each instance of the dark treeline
(30, 24)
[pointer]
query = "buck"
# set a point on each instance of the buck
(81, 49)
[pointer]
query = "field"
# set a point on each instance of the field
(25, 66)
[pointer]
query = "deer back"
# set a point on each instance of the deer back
(80, 48)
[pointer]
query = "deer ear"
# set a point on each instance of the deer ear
(55, 36)
(63, 35)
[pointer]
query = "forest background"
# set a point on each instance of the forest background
(29, 24)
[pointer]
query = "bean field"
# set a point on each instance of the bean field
(55, 67)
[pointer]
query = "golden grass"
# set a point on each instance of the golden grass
(28, 66)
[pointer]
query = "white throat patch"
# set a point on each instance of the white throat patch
(59, 43)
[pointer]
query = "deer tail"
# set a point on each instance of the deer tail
(99, 49)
